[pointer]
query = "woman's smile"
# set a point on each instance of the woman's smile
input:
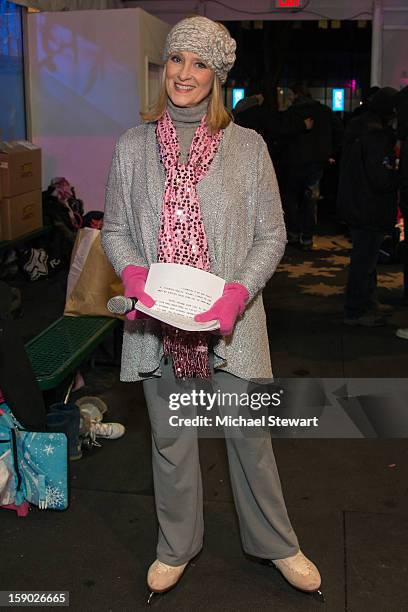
(183, 88)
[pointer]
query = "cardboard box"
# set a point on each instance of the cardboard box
(20, 215)
(20, 168)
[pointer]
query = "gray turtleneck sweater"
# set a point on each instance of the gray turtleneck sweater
(186, 120)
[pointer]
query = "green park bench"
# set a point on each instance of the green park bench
(57, 351)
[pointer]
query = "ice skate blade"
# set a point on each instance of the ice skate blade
(164, 591)
(318, 596)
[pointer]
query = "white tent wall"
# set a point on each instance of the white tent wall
(394, 43)
(152, 36)
(87, 83)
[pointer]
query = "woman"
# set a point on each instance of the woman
(190, 187)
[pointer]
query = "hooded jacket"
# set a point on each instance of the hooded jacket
(313, 146)
(401, 103)
(368, 182)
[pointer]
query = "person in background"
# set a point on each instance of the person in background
(253, 99)
(365, 102)
(17, 378)
(401, 104)
(258, 113)
(367, 202)
(190, 187)
(304, 157)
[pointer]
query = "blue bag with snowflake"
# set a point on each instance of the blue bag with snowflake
(39, 463)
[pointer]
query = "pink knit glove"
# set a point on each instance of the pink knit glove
(134, 280)
(227, 308)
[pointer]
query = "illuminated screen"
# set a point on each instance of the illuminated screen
(237, 95)
(338, 100)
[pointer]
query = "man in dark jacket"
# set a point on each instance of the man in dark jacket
(401, 104)
(303, 159)
(367, 202)
(256, 112)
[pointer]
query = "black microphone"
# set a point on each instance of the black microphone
(121, 305)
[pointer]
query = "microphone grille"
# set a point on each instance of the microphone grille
(119, 304)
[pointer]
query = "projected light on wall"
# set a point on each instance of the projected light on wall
(338, 100)
(74, 66)
(237, 95)
(12, 102)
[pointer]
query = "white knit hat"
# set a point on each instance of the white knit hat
(206, 38)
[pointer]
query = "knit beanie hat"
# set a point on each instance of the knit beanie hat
(206, 38)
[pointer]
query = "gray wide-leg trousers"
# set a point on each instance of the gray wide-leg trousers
(265, 528)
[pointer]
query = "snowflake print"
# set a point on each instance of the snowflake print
(54, 497)
(48, 449)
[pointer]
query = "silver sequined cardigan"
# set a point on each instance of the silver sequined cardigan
(246, 236)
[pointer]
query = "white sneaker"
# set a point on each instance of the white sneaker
(402, 333)
(111, 431)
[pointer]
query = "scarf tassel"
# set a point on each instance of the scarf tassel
(190, 360)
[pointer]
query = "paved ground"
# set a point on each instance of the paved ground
(348, 499)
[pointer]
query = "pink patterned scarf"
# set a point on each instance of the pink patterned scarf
(182, 237)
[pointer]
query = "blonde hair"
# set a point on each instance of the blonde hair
(218, 117)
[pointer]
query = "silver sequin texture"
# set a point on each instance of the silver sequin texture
(243, 219)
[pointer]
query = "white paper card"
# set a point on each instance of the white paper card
(181, 292)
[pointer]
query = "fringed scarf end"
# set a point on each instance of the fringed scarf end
(190, 360)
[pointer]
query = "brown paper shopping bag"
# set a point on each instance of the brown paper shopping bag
(92, 281)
